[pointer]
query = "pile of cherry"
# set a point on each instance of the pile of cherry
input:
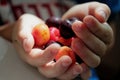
(59, 31)
(63, 25)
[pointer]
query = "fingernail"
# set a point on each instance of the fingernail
(26, 45)
(89, 22)
(66, 63)
(77, 26)
(101, 12)
(76, 71)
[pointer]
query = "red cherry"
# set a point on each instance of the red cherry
(53, 21)
(54, 33)
(64, 50)
(41, 35)
(65, 42)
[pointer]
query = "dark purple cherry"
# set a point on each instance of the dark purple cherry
(53, 21)
(66, 28)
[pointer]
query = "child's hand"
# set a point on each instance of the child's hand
(94, 35)
(42, 59)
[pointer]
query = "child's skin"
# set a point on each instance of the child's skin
(94, 39)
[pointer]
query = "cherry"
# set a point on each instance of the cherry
(53, 21)
(41, 34)
(66, 28)
(65, 50)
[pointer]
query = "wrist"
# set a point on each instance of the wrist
(6, 31)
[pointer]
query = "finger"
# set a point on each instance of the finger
(39, 57)
(99, 10)
(55, 69)
(103, 31)
(87, 72)
(86, 75)
(90, 40)
(89, 57)
(72, 72)
(28, 43)
(79, 11)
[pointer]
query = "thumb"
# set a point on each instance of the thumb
(28, 43)
(100, 11)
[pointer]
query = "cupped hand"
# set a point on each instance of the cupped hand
(42, 59)
(94, 36)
